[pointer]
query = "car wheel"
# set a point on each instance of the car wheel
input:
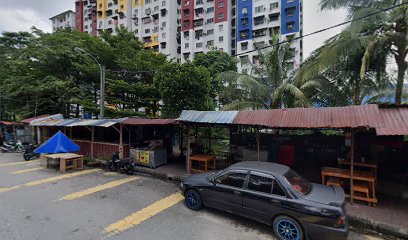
(287, 228)
(193, 200)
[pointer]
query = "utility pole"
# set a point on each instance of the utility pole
(102, 87)
(102, 96)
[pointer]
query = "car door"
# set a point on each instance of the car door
(226, 192)
(262, 197)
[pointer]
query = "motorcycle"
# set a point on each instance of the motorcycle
(12, 146)
(114, 163)
(29, 153)
(127, 166)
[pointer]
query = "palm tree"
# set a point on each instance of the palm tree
(337, 65)
(269, 84)
(383, 34)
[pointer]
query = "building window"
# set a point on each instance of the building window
(163, 3)
(221, 16)
(221, 28)
(274, 5)
(220, 4)
(244, 21)
(163, 35)
(290, 12)
(199, 45)
(259, 9)
(210, 10)
(210, 43)
(210, 31)
(210, 20)
(291, 25)
(147, 30)
(221, 39)
(244, 46)
(186, 45)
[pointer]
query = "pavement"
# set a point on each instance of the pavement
(38, 203)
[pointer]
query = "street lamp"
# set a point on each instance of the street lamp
(102, 73)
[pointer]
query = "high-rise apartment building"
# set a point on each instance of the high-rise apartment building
(157, 24)
(257, 20)
(181, 29)
(65, 20)
(86, 16)
(206, 25)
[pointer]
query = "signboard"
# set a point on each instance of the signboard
(143, 156)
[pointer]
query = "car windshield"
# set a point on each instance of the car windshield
(298, 183)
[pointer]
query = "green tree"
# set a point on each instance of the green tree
(270, 83)
(383, 34)
(184, 87)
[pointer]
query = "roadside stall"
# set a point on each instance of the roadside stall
(153, 142)
(59, 151)
(97, 138)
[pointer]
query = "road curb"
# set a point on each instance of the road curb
(162, 176)
(387, 229)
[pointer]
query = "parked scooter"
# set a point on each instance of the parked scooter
(12, 146)
(29, 153)
(123, 166)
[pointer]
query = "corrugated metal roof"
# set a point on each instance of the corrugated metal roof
(28, 120)
(210, 117)
(150, 122)
(307, 118)
(10, 123)
(77, 122)
(395, 121)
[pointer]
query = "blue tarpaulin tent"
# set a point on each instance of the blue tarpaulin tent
(59, 143)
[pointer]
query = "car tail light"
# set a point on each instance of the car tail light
(340, 222)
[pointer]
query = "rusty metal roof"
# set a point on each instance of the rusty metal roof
(11, 123)
(50, 122)
(395, 121)
(308, 118)
(28, 120)
(210, 117)
(149, 122)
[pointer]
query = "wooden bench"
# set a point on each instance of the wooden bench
(334, 182)
(362, 188)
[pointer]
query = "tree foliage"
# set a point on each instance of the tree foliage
(358, 56)
(184, 87)
(42, 74)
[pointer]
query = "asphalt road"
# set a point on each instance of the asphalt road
(37, 204)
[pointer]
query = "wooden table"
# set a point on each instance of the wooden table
(357, 175)
(77, 160)
(202, 159)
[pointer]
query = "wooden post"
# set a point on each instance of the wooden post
(188, 150)
(92, 141)
(209, 140)
(130, 137)
(121, 155)
(70, 133)
(352, 166)
(15, 133)
(38, 135)
(258, 142)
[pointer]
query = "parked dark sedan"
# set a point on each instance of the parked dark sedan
(272, 194)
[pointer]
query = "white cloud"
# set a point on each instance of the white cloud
(12, 20)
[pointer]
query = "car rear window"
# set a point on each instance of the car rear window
(298, 183)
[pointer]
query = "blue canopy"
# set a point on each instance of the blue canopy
(59, 143)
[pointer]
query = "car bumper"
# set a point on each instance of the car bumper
(320, 232)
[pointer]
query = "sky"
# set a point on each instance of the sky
(20, 15)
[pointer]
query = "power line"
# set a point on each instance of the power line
(325, 29)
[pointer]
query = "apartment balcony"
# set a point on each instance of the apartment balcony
(260, 20)
(199, 3)
(198, 23)
(259, 33)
